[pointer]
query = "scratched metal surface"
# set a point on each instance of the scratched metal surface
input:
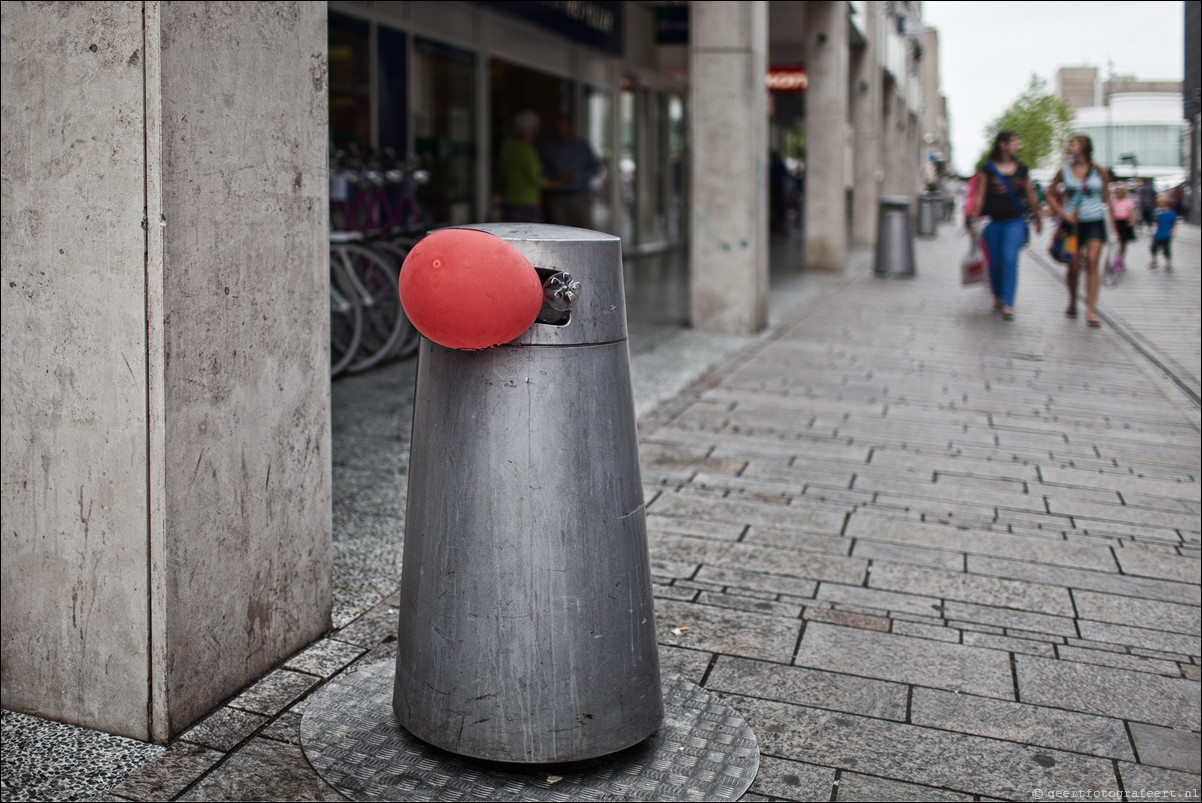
(703, 751)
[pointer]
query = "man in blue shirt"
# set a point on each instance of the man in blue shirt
(569, 161)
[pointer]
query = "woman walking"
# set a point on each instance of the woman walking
(1004, 194)
(1086, 202)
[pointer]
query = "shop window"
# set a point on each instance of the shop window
(444, 136)
(598, 130)
(350, 81)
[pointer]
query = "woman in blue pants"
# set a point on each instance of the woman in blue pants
(1004, 196)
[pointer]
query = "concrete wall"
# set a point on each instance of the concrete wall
(166, 468)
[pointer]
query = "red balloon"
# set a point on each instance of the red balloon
(468, 289)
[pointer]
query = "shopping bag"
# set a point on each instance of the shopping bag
(1064, 244)
(974, 265)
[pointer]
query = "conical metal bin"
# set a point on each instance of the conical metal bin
(895, 239)
(526, 629)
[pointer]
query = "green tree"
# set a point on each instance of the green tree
(1039, 118)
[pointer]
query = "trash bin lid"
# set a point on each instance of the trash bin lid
(594, 259)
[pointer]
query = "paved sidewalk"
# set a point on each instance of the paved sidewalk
(928, 554)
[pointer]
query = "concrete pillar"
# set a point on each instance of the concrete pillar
(866, 126)
(166, 463)
(729, 134)
(827, 62)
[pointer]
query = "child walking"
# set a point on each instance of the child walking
(1162, 238)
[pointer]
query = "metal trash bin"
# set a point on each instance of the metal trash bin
(526, 630)
(895, 239)
(928, 215)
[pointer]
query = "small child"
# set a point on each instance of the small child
(1166, 221)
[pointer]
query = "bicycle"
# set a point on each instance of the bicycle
(373, 280)
(346, 319)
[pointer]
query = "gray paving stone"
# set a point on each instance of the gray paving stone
(847, 618)
(1180, 504)
(1106, 582)
(1172, 748)
(1172, 643)
(792, 539)
(1007, 618)
(753, 604)
(264, 770)
(1116, 480)
(809, 519)
(169, 774)
(1161, 565)
(1093, 495)
(1087, 512)
(1151, 614)
(897, 553)
(1009, 644)
(726, 631)
(793, 780)
(1137, 696)
(856, 787)
(879, 600)
(918, 755)
(372, 627)
(679, 593)
(285, 727)
(1019, 722)
(801, 474)
(962, 587)
(903, 659)
(1053, 551)
(1146, 781)
(668, 569)
(810, 687)
(755, 558)
(702, 528)
(689, 664)
(324, 658)
(759, 489)
(986, 467)
(275, 692)
(776, 584)
(902, 627)
(224, 728)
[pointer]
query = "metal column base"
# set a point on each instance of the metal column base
(703, 751)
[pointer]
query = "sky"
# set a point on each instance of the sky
(988, 51)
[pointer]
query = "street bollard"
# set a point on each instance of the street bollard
(526, 630)
(895, 239)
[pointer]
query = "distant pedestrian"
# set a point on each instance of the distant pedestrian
(1124, 219)
(1004, 194)
(1086, 202)
(1162, 238)
(1147, 203)
(521, 172)
(570, 162)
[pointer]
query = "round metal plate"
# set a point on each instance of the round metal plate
(703, 751)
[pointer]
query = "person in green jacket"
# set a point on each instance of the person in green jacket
(521, 172)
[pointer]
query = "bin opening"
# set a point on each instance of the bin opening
(560, 292)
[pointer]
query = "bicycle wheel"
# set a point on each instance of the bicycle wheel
(346, 318)
(397, 250)
(384, 322)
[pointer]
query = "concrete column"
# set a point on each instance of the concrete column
(866, 125)
(728, 126)
(827, 62)
(166, 465)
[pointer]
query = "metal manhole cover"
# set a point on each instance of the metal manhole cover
(703, 751)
